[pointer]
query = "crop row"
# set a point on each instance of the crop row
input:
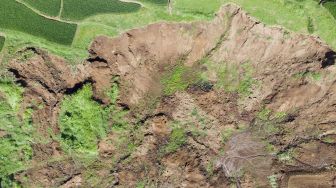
(16, 16)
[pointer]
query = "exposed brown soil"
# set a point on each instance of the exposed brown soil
(283, 63)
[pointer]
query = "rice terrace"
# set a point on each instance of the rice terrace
(168, 93)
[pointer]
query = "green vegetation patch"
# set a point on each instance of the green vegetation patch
(2, 42)
(177, 139)
(82, 121)
(315, 76)
(16, 132)
(178, 78)
(16, 16)
(78, 10)
(200, 7)
(48, 7)
(232, 77)
(331, 6)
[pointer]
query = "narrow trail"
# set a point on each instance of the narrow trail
(133, 1)
(61, 9)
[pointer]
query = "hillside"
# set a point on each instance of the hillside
(199, 98)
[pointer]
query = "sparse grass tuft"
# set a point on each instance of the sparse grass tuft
(286, 157)
(226, 134)
(232, 77)
(177, 139)
(273, 181)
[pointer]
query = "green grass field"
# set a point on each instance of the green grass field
(2, 42)
(20, 18)
(48, 7)
(79, 10)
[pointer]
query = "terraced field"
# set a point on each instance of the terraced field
(48, 7)
(21, 18)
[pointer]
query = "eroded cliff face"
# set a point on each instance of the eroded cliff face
(256, 106)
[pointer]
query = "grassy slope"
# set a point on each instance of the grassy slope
(293, 15)
(48, 7)
(331, 6)
(15, 146)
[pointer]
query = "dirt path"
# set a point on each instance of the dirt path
(61, 9)
(133, 1)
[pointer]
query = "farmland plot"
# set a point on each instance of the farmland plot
(48, 7)
(78, 10)
(19, 17)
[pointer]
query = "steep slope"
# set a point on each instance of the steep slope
(209, 104)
